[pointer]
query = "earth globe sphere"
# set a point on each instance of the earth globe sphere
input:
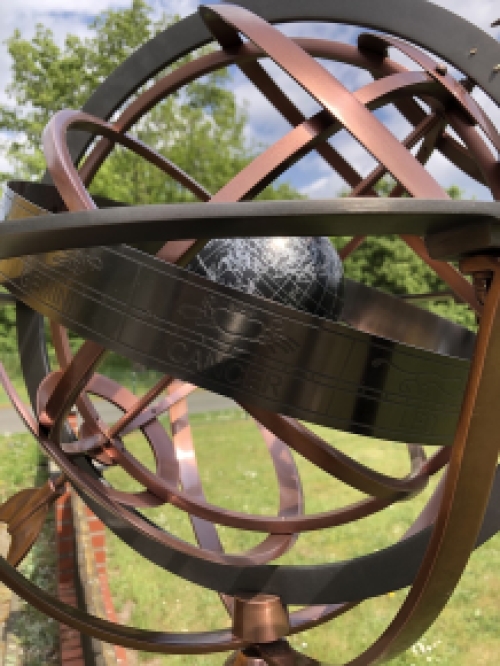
(304, 272)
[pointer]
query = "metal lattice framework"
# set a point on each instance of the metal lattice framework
(388, 370)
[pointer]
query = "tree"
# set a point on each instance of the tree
(201, 128)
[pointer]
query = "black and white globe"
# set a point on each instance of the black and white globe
(304, 273)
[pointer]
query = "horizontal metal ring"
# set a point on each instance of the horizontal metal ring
(354, 381)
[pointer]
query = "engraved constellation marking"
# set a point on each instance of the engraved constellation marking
(218, 342)
(239, 324)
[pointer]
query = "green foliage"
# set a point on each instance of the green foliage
(200, 129)
(7, 331)
(387, 263)
(47, 78)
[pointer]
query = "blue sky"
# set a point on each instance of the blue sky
(311, 175)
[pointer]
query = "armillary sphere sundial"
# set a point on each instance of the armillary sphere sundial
(385, 369)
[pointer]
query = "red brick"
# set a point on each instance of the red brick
(95, 527)
(121, 654)
(100, 556)
(93, 518)
(98, 541)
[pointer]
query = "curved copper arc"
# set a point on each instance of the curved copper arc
(472, 109)
(305, 137)
(428, 125)
(57, 153)
(225, 21)
(260, 168)
(486, 161)
(111, 632)
(291, 498)
(71, 384)
(205, 532)
(63, 397)
(448, 273)
(323, 456)
(182, 246)
(257, 523)
(69, 183)
(245, 59)
(98, 492)
(465, 494)
(64, 355)
(104, 495)
(459, 285)
(76, 378)
(138, 406)
(244, 184)
(160, 407)
(161, 445)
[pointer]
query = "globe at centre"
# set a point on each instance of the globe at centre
(304, 273)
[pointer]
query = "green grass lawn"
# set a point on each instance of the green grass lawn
(237, 473)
